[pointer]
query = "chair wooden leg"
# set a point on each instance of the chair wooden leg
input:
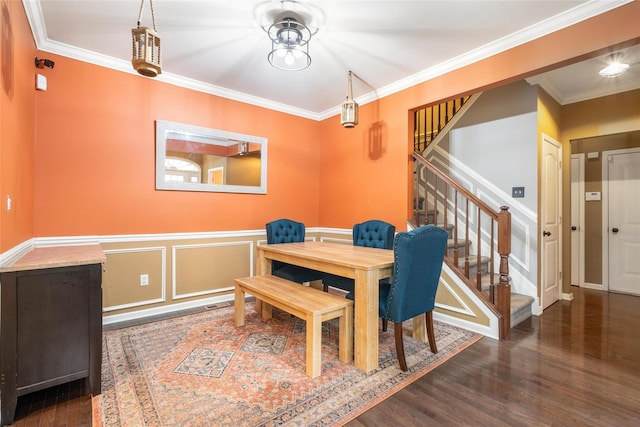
(400, 346)
(385, 324)
(430, 333)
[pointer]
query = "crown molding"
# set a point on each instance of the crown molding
(555, 23)
(586, 95)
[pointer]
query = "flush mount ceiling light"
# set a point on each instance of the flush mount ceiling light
(349, 113)
(146, 58)
(615, 67)
(289, 43)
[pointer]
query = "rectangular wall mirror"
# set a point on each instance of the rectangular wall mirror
(194, 158)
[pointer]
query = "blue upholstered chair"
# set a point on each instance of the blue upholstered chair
(289, 231)
(374, 234)
(418, 256)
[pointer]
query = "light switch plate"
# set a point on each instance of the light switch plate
(41, 82)
(517, 192)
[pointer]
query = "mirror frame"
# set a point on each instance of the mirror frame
(217, 137)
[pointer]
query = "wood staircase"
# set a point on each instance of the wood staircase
(480, 237)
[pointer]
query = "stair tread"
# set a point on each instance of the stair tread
(486, 278)
(460, 243)
(519, 301)
(473, 260)
(447, 227)
(520, 308)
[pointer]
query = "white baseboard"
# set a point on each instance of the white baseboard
(16, 252)
(596, 286)
(487, 331)
(165, 309)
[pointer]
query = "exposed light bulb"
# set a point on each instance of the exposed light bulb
(289, 59)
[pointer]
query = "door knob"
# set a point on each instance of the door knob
(615, 229)
(574, 228)
(546, 233)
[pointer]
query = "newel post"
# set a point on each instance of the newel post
(504, 288)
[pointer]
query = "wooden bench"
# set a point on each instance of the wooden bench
(306, 303)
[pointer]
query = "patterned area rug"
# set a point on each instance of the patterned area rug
(200, 370)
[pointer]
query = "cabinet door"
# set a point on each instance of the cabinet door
(52, 326)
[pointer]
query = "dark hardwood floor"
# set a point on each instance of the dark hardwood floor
(576, 365)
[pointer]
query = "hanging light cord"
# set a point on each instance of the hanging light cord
(349, 87)
(153, 15)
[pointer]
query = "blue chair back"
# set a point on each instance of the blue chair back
(374, 234)
(289, 231)
(285, 231)
(418, 257)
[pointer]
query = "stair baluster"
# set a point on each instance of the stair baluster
(439, 197)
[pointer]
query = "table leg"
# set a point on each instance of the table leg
(263, 267)
(345, 340)
(366, 320)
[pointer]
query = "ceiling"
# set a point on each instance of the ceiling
(221, 47)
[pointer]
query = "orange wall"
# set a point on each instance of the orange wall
(95, 158)
(356, 185)
(93, 164)
(17, 122)
(363, 172)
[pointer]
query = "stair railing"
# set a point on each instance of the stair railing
(477, 234)
(430, 121)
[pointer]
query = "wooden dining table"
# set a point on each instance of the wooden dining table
(363, 264)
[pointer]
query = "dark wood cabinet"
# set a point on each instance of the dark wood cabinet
(50, 326)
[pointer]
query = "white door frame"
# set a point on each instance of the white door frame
(605, 211)
(579, 157)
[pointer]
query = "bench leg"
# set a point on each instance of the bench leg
(266, 311)
(314, 346)
(345, 336)
(238, 306)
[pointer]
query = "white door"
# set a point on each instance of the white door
(623, 228)
(577, 219)
(551, 208)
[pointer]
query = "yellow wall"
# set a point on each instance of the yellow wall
(608, 115)
(601, 116)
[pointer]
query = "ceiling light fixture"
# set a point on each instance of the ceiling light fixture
(243, 148)
(349, 113)
(146, 58)
(289, 43)
(615, 67)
